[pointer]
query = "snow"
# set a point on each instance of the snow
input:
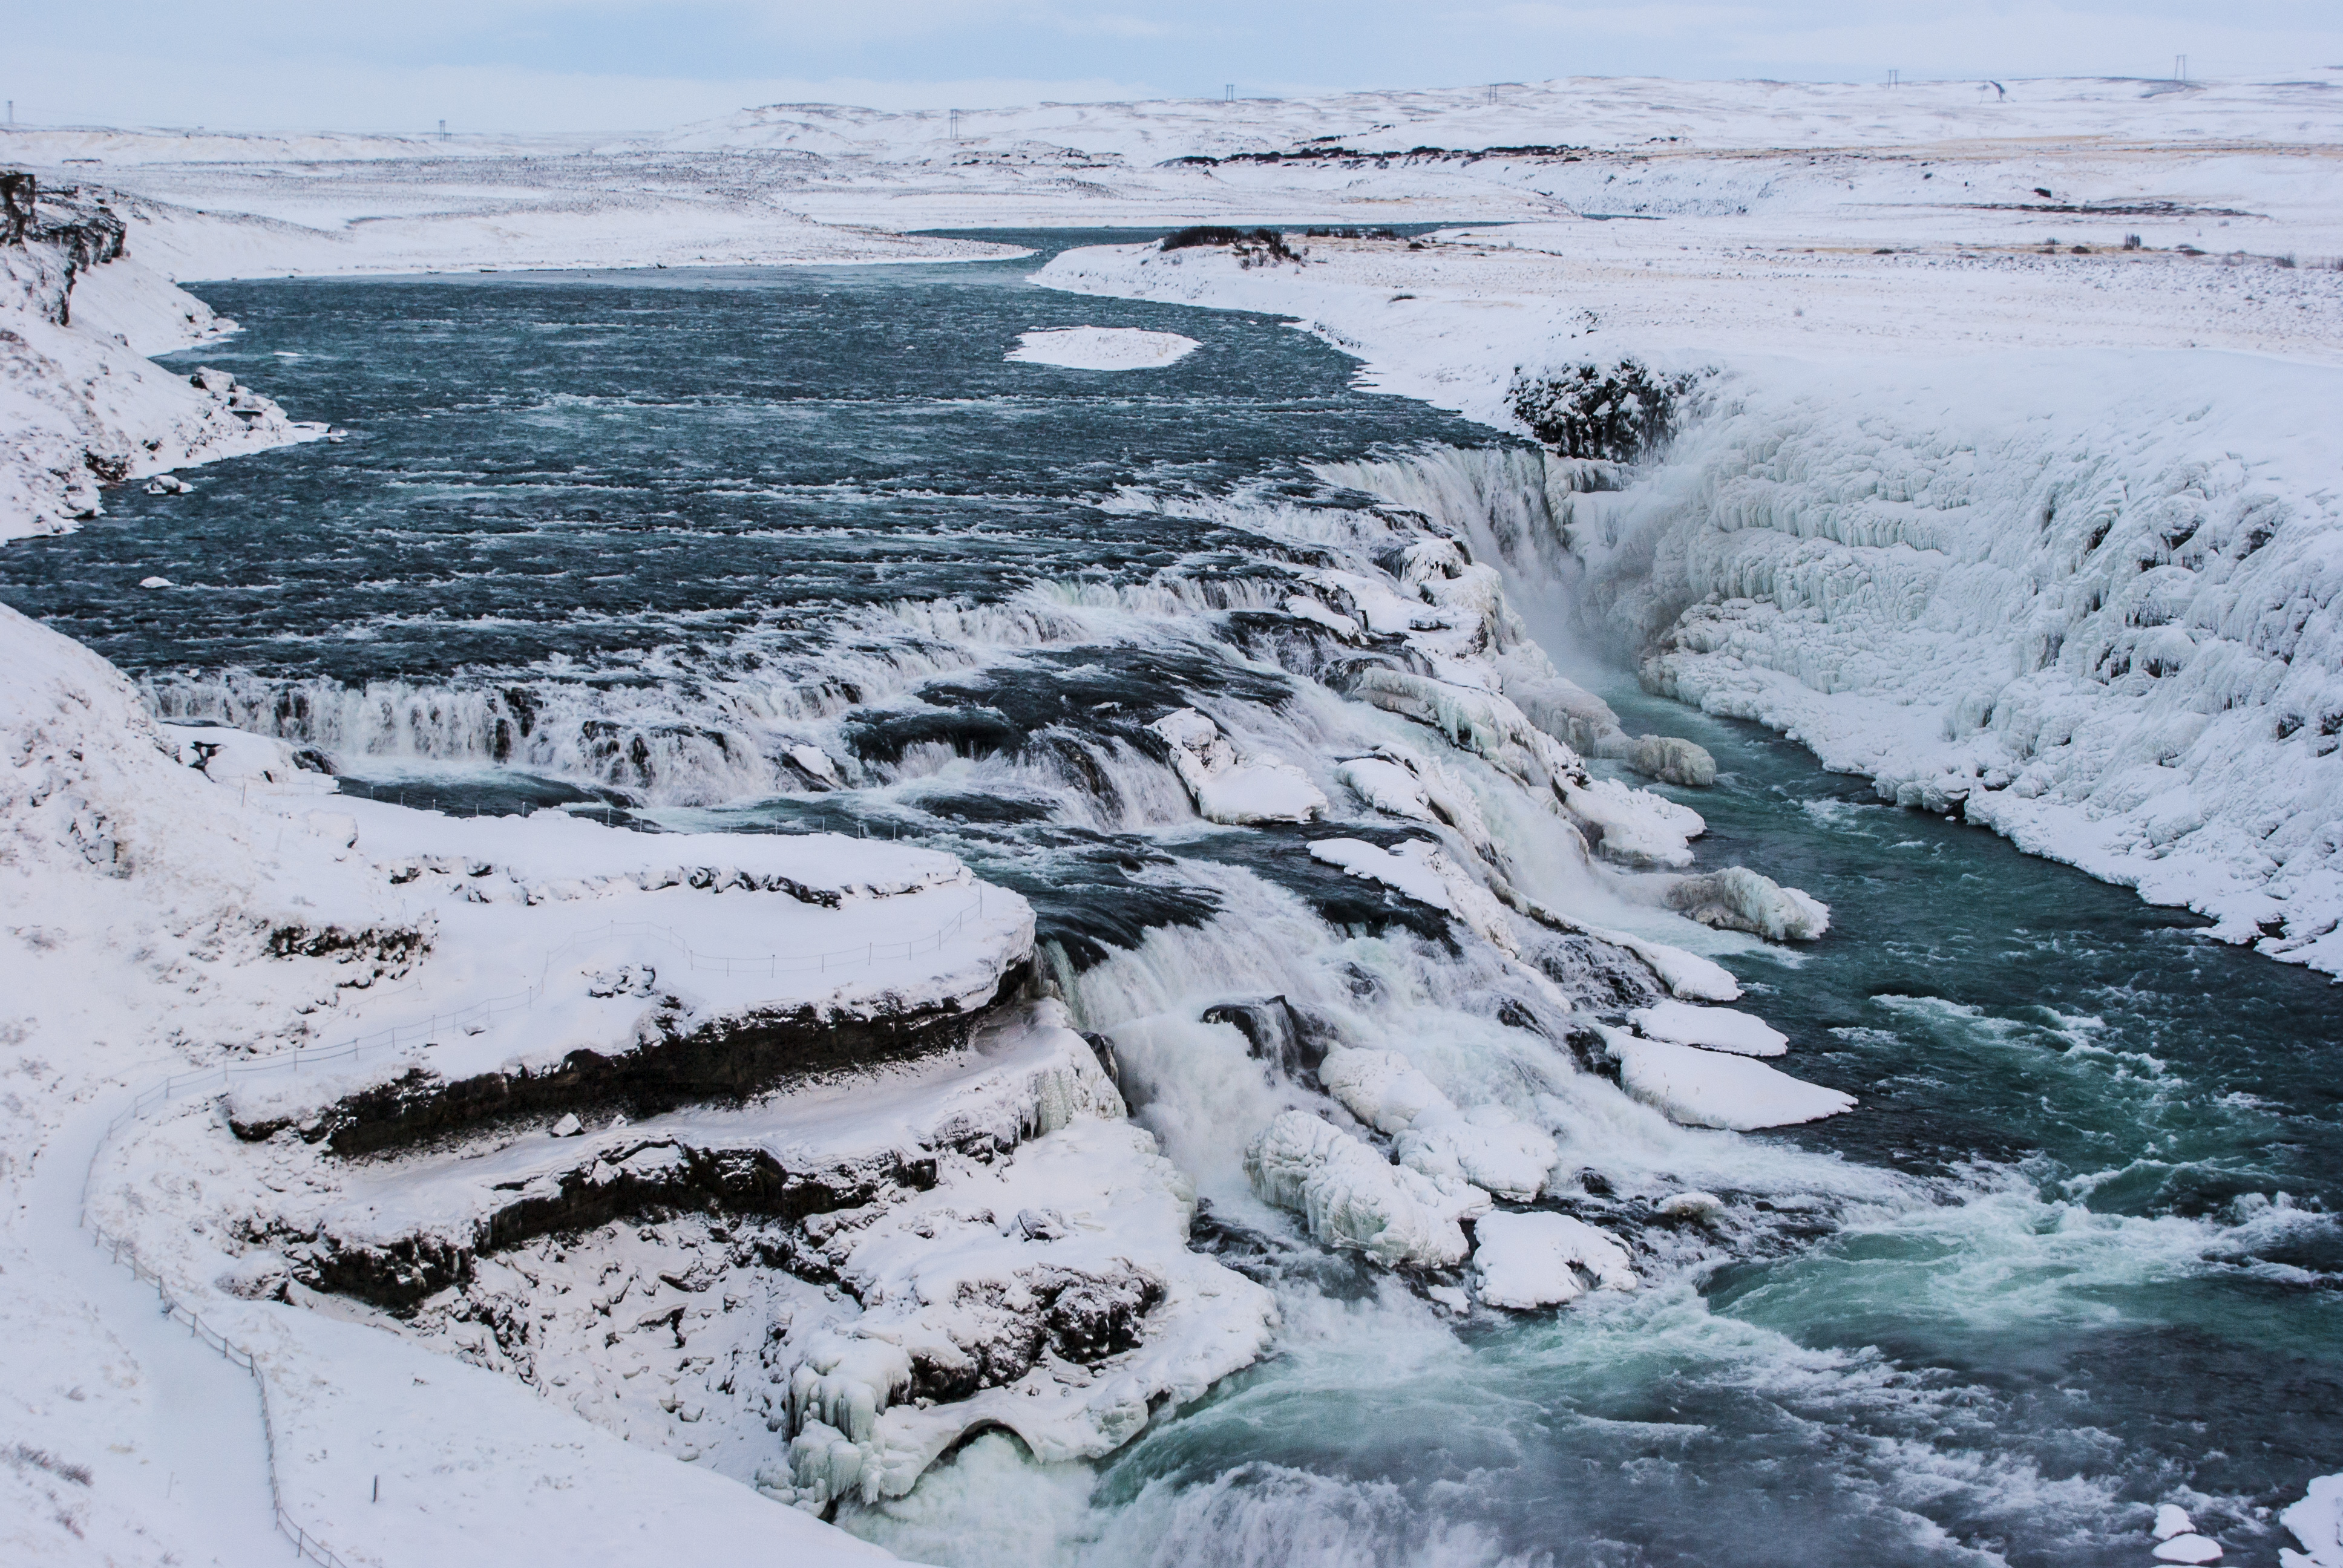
(1405, 869)
(1381, 1088)
(423, 959)
(476, 1468)
(1708, 1089)
(1736, 899)
(2036, 537)
(2147, 704)
(1421, 869)
(1230, 788)
(1525, 1261)
(1718, 1028)
(80, 405)
(2188, 1549)
(553, 932)
(1488, 1146)
(239, 757)
(1383, 783)
(1686, 975)
(122, 838)
(2171, 1520)
(1101, 348)
(2317, 1521)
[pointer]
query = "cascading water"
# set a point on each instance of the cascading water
(764, 551)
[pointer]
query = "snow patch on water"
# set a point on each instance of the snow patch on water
(1101, 348)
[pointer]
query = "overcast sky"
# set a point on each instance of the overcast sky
(624, 64)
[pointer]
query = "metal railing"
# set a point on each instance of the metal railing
(397, 1035)
(421, 1032)
(777, 963)
(305, 1545)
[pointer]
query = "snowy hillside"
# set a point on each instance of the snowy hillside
(1786, 163)
(1609, 113)
(83, 408)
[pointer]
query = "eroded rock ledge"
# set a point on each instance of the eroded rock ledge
(677, 1060)
(868, 1267)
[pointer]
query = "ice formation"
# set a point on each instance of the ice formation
(2317, 1521)
(1525, 1261)
(1487, 1146)
(1718, 1028)
(1737, 898)
(2075, 594)
(1713, 1089)
(1418, 870)
(1103, 348)
(1227, 788)
(2080, 610)
(1351, 1196)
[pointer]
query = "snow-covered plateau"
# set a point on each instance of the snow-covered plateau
(557, 1190)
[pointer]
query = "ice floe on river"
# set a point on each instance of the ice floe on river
(1702, 1087)
(1101, 348)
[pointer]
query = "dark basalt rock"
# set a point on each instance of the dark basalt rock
(1313, 151)
(1083, 1318)
(1615, 414)
(728, 1059)
(1279, 1035)
(400, 1276)
(76, 226)
(393, 947)
(19, 193)
(1258, 244)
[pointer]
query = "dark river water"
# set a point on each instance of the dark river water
(628, 538)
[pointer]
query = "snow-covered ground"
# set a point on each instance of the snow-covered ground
(161, 917)
(1970, 494)
(2224, 165)
(83, 408)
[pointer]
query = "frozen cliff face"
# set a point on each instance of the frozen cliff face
(80, 409)
(2095, 612)
(2088, 600)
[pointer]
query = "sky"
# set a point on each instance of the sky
(508, 65)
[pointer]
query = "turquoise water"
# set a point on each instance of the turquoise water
(2108, 1278)
(623, 537)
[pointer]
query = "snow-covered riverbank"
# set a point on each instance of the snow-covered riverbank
(2071, 563)
(81, 406)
